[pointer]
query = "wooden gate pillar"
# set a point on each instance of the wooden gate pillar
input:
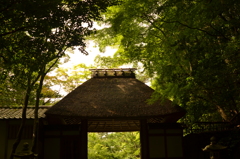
(84, 139)
(161, 141)
(144, 139)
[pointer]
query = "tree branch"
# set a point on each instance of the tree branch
(151, 21)
(190, 27)
(14, 31)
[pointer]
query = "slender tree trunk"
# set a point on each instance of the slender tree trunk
(36, 119)
(20, 131)
(42, 74)
(220, 110)
(222, 113)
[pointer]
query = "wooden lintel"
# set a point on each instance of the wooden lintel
(96, 125)
(137, 124)
(104, 125)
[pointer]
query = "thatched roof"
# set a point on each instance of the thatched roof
(110, 96)
(16, 112)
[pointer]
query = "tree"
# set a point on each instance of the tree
(12, 95)
(190, 48)
(49, 96)
(49, 27)
(35, 34)
(120, 145)
(67, 79)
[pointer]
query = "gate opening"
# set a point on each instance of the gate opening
(118, 145)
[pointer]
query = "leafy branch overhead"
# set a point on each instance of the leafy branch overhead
(191, 48)
(37, 33)
(46, 26)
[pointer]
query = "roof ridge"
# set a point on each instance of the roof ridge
(113, 72)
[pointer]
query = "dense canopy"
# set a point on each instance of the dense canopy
(35, 34)
(190, 48)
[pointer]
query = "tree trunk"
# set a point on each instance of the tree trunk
(36, 120)
(20, 131)
(42, 75)
(222, 113)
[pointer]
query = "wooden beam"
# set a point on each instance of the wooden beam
(137, 124)
(84, 139)
(144, 139)
(104, 125)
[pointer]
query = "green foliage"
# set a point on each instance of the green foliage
(10, 96)
(107, 62)
(35, 34)
(48, 96)
(67, 79)
(40, 31)
(120, 145)
(190, 48)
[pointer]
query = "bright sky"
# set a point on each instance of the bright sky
(77, 57)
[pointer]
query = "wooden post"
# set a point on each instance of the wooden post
(144, 139)
(84, 139)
